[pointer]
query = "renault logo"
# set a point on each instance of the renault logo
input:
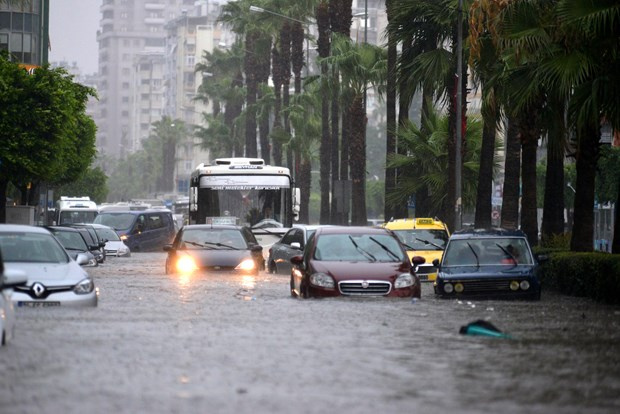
(365, 284)
(38, 289)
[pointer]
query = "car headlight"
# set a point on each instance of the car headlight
(459, 288)
(524, 285)
(323, 280)
(246, 264)
(448, 288)
(403, 281)
(186, 264)
(124, 237)
(84, 287)
(514, 285)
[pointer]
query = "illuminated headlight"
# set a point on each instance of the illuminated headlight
(448, 288)
(247, 264)
(514, 285)
(524, 285)
(458, 288)
(403, 281)
(124, 237)
(186, 264)
(322, 280)
(84, 287)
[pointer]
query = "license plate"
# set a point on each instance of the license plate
(423, 277)
(37, 304)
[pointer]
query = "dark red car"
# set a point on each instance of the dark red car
(354, 261)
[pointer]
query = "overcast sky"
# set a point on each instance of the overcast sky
(73, 32)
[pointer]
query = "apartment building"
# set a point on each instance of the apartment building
(24, 31)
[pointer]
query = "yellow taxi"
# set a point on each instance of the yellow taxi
(426, 237)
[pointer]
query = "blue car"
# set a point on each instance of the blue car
(488, 263)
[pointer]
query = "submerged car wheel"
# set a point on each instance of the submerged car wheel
(272, 267)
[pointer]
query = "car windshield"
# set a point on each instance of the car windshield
(107, 234)
(421, 239)
(68, 217)
(358, 248)
(508, 251)
(71, 240)
(118, 221)
(31, 248)
(195, 239)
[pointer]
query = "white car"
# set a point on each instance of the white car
(114, 246)
(8, 280)
(54, 279)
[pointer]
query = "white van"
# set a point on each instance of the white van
(75, 210)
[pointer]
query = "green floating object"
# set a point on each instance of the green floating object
(483, 328)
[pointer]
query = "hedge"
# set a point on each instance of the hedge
(594, 275)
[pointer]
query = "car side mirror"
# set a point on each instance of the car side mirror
(81, 259)
(418, 260)
(296, 245)
(92, 247)
(297, 260)
(13, 278)
(436, 262)
(542, 258)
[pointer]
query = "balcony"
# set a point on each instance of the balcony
(155, 20)
(154, 6)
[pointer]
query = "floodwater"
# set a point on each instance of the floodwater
(229, 344)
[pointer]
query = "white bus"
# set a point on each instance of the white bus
(243, 191)
(75, 210)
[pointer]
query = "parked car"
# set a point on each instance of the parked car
(147, 230)
(354, 261)
(113, 245)
(74, 243)
(208, 247)
(290, 245)
(8, 281)
(488, 263)
(92, 238)
(54, 279)
(426, 237)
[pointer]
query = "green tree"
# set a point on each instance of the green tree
(92, 183)
(167, 133)
(44, 132)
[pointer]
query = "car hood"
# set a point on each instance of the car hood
(360, 270)
(51, 274)
(477, 272)
(114, 244)
(223, 258)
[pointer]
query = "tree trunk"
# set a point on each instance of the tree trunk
(510, 203)
(335, 130)
(484, 193)
(553, 209)
(304, 181)
(251, 90)
(390, 133)
(344, 163)
(358, 162)
(529, 145)
(322, 20)
(582, 239)
(276, 68)
(615, 247)
(4, 185)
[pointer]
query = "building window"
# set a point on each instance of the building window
(126, 42)
(125, 99)
(125, 85)
(125, 114)
(126, 71)
(4, 41)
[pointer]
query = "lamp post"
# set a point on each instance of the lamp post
(459, 119)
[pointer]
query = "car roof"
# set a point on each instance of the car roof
(137, 212)
(62, 228)
(212, 226)
(415, 223)
(486, 233)
(351, 230)
(310, 226)
(23, 228)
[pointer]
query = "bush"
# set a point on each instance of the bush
(594, 275)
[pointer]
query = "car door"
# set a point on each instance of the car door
(291, 245)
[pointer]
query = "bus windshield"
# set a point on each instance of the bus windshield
(243, 207)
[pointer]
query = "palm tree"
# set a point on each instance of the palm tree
(361, 66)
(169, 132)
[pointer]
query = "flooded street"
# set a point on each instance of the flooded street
(230, 344)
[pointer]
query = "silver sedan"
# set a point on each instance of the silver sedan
(54, 279)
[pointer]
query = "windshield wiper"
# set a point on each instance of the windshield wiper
(364, 252)
(505, 250)
(475, 254)
(197, 244)
(384, 247)
(429, 242)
